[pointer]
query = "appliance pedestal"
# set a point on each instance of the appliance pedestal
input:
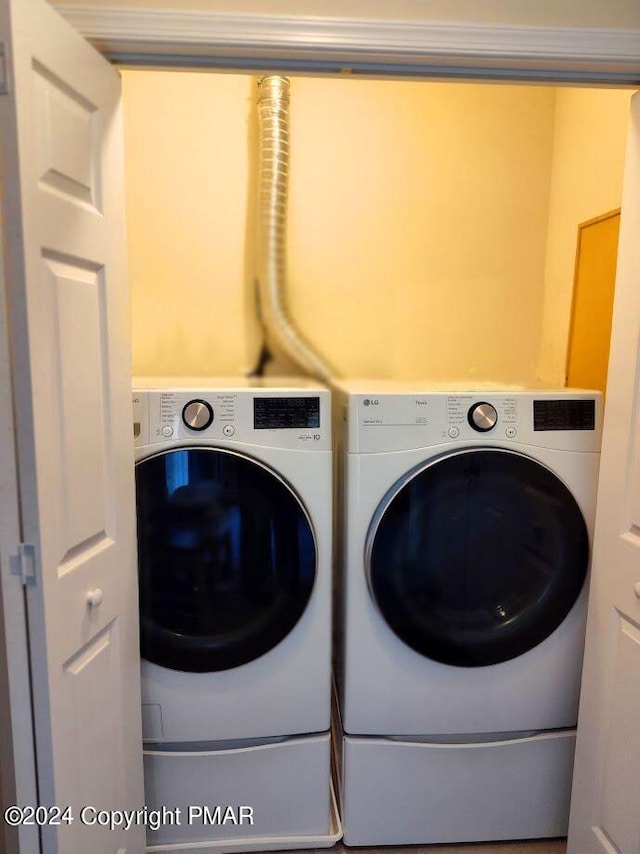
(282, 784)
(399, 792)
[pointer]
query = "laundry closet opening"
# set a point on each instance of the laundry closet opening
(431, 230)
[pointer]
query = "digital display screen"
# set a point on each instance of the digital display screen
(564, 414)
(276, 413)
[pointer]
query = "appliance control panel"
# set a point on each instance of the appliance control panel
(286, 419)
(562, 419)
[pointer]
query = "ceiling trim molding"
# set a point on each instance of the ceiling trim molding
(375, 43)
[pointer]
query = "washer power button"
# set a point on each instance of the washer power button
(228, 429)
(510, 432)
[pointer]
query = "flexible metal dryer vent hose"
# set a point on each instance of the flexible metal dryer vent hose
(273, 185)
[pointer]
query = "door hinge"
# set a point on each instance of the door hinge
(24, 564)
(4, 75)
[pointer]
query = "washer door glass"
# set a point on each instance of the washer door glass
(477, 557)
(226, 559)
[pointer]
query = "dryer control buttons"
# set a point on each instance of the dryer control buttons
(482, 417)
(167, 431)
(453, 432)
(197, 415)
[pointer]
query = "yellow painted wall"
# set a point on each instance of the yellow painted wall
(417, 224)
(588, 163)
(190, 268)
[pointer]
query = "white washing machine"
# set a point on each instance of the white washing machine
(233, 486)
(467, 524)
(234, 492)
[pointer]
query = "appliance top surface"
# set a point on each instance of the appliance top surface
(378, 386)
(226, 383)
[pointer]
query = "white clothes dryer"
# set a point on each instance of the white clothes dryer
(468, 517)
(233, 487)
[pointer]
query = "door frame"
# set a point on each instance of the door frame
(375, 47)
(371, 46)
(18, 777)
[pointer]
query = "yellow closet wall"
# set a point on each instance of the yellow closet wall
(588, 164)
(191, 274)
(417, 224)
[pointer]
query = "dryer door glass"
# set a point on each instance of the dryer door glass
(226, 559)
(477, 557)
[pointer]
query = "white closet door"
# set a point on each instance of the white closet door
(68, 305)
(605, 808)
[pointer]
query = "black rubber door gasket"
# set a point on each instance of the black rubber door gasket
(226, 559)
(477, 557)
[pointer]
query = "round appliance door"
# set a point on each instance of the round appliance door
(226, 559)
(476, 557)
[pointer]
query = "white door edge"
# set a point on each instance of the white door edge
(17, 751)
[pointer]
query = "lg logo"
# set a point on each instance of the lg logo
(368, 402)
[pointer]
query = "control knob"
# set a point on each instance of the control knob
(197, 415)
(482, 417)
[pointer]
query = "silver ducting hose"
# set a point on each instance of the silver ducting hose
(273, 184)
